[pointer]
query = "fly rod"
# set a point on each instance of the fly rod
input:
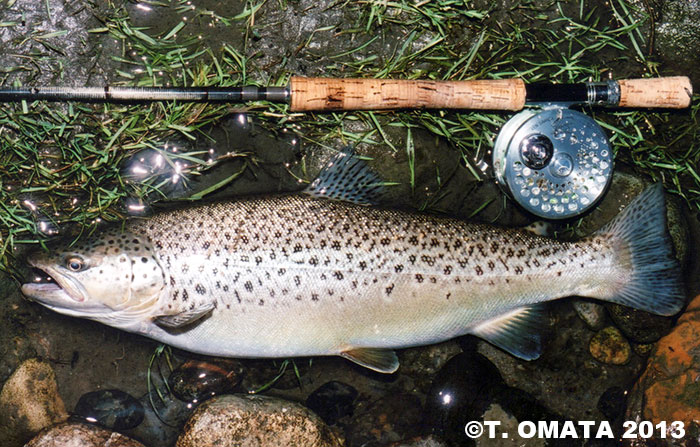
(336, 94)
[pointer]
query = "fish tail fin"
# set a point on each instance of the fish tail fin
(648, 275)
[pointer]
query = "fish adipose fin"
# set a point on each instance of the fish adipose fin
(183, 318)
(348, 178)
(517, 332)
(644, 249)
(380, 360)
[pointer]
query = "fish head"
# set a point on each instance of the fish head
(111, 275)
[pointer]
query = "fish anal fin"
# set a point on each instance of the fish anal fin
(518, 332)
(380, 360)
(184, 318)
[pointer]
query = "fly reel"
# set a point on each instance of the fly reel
(554, 161)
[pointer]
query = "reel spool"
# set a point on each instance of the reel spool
(554, 161)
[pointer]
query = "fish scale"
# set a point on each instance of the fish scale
(302, 275)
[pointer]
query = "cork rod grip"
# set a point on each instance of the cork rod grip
(673, 92)
(325, 94)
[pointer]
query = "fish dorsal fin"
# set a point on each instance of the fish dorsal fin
(184, 318)
(380, 360)
(518, 331)
(540, 228)
(348, 178)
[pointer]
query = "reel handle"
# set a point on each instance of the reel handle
(672, 92)
(329, 94)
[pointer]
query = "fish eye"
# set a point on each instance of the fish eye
(75, 264)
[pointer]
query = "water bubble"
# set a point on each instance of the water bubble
(558, 209)
(585, 201)
(534, 201)
(535, 191)
(546, 207)
(573, 206)
(525, 192)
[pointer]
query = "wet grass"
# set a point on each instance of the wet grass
(62, 163)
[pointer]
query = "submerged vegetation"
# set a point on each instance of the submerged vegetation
(63, 163)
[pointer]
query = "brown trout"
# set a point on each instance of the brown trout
(302, 275)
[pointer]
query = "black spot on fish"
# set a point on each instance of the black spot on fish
(297, 281)
(314, 297)
(248, 286)
(363, 265)
(335, 245)
(200, 289)
(261, 302)
(225, 288)
(187, 236)
(389, 289)
(206, 245)
(313, 260)
(398, 268)
(518, 269)
(491, 265)
(419, 278)
(479, 271)
(185, 295)
(449, 294)
(338, 275)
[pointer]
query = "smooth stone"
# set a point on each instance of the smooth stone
(113, 409)
(332, 401)
(394, 417)
(77, 434)
(668, 389)
(198, 380)
(639, 326)
(610, 347)
(460, 392)
(247, 421)
(29, 402)
(593, 314)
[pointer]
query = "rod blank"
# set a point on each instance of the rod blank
(329, 94)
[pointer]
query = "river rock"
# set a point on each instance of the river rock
(247, 421)
(394, 417)
(332, 401)
(198, 380)
(112, 409)
(459, 394)
(29, 402)
(77, 434)
(593, 314)
(668, 388)
(639, 326)
(610, 347)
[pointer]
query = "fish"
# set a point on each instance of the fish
(326, 272)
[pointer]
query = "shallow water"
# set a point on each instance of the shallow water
(88, 356)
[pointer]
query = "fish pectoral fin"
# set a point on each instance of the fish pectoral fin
(517, 332)
(183, 318)
(380, 360)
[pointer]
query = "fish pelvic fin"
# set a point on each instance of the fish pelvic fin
(643, 246)
(518, 332)
(380, 360)
(348, 178)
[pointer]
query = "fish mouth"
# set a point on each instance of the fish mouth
(52, 288)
